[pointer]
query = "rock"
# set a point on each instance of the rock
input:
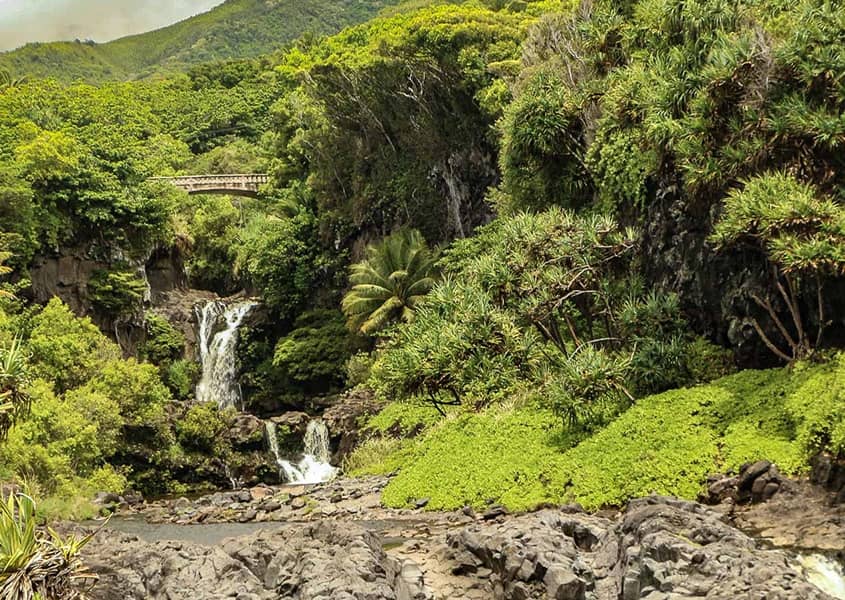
(751, 472)
(495, 511)
(247, 433)
(562, 584)
(260, 492)
(107, 499)
(248, 515)
(298, 502)
(295, 490)
(422, 502)
(661, 548)
(343, 419)
(317, 561)
(270, 506)
(296, 422)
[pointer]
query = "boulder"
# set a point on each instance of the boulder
(344, 417)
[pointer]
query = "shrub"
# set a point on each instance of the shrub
(35, 564)
(313, 355)
(163, 344)
(116, 292)
(665, 444)
(358, 368)
(202, 429)
(181, 378)
(66, 349)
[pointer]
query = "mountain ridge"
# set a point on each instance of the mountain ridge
(235, 29)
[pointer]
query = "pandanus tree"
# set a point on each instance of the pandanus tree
(389, 283)
(803, 238)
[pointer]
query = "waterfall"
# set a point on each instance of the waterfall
(314, 466)
(825, 574)
(217, 352)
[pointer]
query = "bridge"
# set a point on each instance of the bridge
(234, 185)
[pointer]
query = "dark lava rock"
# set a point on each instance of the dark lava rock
(317, 561)
(662, 549)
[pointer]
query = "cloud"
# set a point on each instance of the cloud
(23, 21)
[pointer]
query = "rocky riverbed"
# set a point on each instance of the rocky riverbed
(335, 540)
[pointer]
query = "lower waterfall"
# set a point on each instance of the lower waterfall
(825, 574)
(314, 466)
(217, 351)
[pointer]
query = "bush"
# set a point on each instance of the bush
(181, 378)
(313, 355)
(163, 344)
(66, 349)
(202, 429)
(116, 292)
(358, 368)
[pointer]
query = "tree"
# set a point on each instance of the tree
(389, 283)
(803, 238)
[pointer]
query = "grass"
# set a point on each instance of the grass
(665, 444)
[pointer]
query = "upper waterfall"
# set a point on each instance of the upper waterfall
(218, 340)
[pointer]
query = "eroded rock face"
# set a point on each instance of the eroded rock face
(658, 549)
(661, 549)
(344, 420)
(321, 560)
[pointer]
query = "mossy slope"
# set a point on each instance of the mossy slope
(665, 444)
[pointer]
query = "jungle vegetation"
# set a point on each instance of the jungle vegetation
(561, 239)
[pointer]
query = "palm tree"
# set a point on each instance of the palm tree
(389, 283)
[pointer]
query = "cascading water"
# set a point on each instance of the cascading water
(825, 573)
(217, 352)
(314, 466)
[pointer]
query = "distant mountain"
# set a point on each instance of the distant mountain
(235, 29)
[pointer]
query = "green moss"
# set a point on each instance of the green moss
(665, 444)
(468, 459)
(405, 418)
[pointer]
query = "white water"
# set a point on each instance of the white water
(824, 573)
(314, 466)
(217, 352)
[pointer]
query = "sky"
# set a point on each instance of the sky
(23, 21)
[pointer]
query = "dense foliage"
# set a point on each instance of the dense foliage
(666, 444)
(610, 188)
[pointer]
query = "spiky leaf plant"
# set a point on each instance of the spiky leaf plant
(14, 377)
(36, 564)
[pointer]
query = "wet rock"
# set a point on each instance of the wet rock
(495, 511)
(296, 422)
(247, 433)
(343, 419)
(422, 502)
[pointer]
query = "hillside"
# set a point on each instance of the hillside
(235, 29)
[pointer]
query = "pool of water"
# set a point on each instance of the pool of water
(205, 534)
(210, 534)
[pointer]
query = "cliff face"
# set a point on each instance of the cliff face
(715, 287)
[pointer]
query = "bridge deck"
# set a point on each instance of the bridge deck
(235, 184)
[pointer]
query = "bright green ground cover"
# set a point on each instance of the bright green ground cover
(665, 444)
